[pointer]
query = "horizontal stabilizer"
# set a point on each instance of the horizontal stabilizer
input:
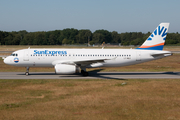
(160, 53)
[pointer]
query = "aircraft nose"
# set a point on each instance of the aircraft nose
(6, 61)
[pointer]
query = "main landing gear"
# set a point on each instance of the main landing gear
(83, 72)
(27, 71)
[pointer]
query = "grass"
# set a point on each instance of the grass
(92, 99)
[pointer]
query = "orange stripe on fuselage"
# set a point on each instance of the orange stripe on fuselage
(144, 46)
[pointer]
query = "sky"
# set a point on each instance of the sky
(112, 15)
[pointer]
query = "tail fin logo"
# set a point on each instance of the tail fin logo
(157, 39)
(160, 32)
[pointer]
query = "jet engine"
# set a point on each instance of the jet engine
(66, 69)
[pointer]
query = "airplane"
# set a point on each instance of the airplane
(71, 61)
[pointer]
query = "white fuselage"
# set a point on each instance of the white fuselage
(112, 57)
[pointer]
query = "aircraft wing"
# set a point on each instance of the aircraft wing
(84, 62)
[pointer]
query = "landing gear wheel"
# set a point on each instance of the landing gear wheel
(83, 71)
(26, 73)
(85, 74)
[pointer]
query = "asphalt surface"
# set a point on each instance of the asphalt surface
(92, 75)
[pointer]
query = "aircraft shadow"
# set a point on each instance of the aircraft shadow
(135, 73)
(104, 75)
(95, 74)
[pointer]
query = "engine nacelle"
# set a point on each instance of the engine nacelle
(66, 69)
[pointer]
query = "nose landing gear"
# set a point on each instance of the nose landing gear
(27, 71)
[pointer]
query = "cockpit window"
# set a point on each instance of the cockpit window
(14, 54)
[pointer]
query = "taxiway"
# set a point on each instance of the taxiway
(92, 75)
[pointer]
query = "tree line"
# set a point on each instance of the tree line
(74, 36)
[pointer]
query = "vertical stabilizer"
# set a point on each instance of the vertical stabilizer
(157, 39)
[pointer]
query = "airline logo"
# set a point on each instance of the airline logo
(16, 60)
(161, 32)
(47, 52)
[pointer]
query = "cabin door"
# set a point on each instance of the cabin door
(138, 56)
(26, 55)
